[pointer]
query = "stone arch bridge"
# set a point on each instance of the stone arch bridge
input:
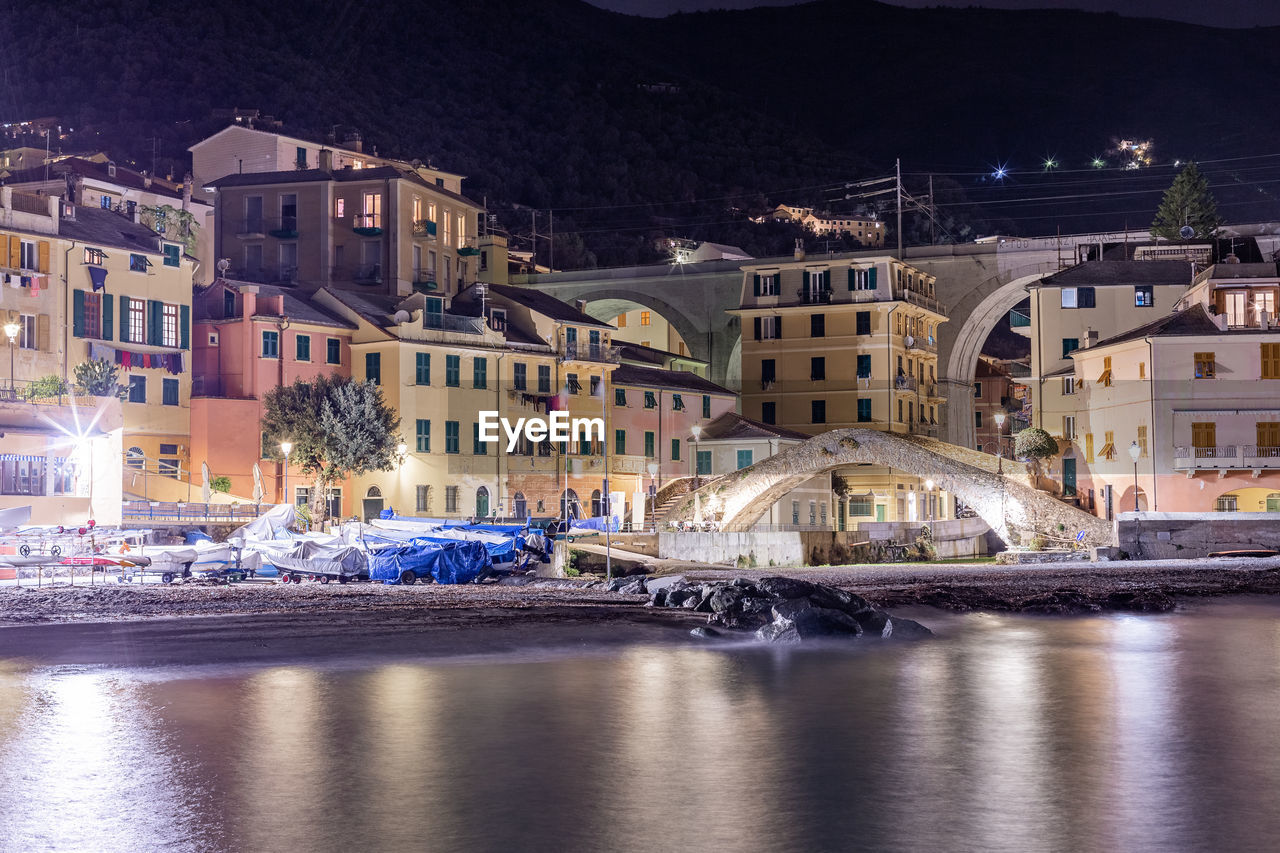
(1012, 508)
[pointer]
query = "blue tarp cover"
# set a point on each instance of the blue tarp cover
(597, 523)
(445, 562)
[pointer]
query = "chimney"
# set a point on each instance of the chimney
(353, 141)
(186, 191)
(146, 180)
(326, 160)
(1090, 338)
(580, 304)
(799, 249)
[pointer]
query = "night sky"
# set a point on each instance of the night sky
(1218, 13)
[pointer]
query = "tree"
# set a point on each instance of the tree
(1034, 445)
(338, 427)
(1187, 202)
(98, 378)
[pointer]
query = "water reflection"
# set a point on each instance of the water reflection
(1153, 732)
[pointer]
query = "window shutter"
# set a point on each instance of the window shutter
(184, 326)
(42, 332)
(853, 277)
(15, 251)
(155, 333)
(42, 253)
(757, 319)
(871, 279)
(77, 313)
(826, 279)
(124, 318)
(108, 317)
(756, 284)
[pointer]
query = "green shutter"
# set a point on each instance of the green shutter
(871, 279)
(853, 275)
(155, 322)
(124, 319)
(108, 316)
(184, 327)
(77, 315)
(757, 284)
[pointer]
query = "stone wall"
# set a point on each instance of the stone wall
(1165, 535)
(952, 539)
(761, 550)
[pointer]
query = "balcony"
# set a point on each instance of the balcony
(922, 300)
(252, 228)
(284, 228)
(629, 465)
(1018, 320)
(590, 352)
(904, 383)
(367, 224)
(1247, 457)
(265, 274)
(453, 323)
(809, 296)
(424, 228)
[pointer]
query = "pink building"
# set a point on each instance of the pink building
(246, 340)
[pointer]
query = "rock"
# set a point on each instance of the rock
(1060, 601)
(703, 633)
(666, 582)
(676, 597)
(907, 629)
(779, 587)
(725, 598)
(635, 587)
(692, 602)
(778, 632)
(659, 599)
(809, 621)
(875, 623)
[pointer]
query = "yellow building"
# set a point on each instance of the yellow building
(828, 344)
(85, 284)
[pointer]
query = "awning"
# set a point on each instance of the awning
(99, 277)
(17, 457)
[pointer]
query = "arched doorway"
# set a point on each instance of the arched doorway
(1126, 501)
(373, 503)
(519, 506)
(597, 506)
(134, 457)
(482, 502)
(569, 506)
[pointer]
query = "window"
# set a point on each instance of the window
(1204, 434)
(703, 462)
(1069, 345)
(644, 318)
(977, 389)
(620, 321)
(817, 325)
(817, 368)
(422, 368)
(1142, 370)
(169, 392)
(1068, 385)
(769, 413)
(478, 447)
(864, 410)
(302, 347)
(339, 208)
(168, 325)
(595, 386)
(373, 367)
(650, 400)
(453, 371)
(864, 367)
(1142, 296)
(675, 450)
(862, 323)
(706, 405)
(27, 334)
(1226, 503)
(677, 403)
(270, 342)
(1069, 297)
(648, 444)
(862, 279)
(137, 389)
(137, 263)
(1085, 297)
(1142, 438)
(818, 411)
(795, 512)
(94, 256)
(977, 419)
(544, 379)
(768, 371)
(862, 507)
(744, 459)
(172, 255)
(768, 328)
(574, 386)
(1270, 361)
(23, 475)
(423, 436)
(619, 396)
(333, 354)
(480, 372)
(813, 512)
(450, 436)
(371, 211)
(519, 376)
(1206, 365)
(900, 407)
(450, 498)
(1069, 427)
(1233, 304)
(423, 502)
(620, 442)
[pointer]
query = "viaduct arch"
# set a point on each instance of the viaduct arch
(1014, 510)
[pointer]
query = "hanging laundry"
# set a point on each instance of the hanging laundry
(98, 276)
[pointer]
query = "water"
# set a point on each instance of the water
(1007, 733)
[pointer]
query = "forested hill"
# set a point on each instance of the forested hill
(634, 127)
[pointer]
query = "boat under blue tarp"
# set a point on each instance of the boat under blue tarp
(444, 562)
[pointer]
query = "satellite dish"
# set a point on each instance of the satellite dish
(224, 264)
(402, 317)
(1187, 232)
(909, 341)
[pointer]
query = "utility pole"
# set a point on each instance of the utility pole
(897, 171)
(533, 218)
(933, 216)
(551, 252)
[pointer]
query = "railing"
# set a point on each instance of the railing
(629, 465)
(922, 300)
(1227, 456)
(1018, 320)
(265, 274)
(367, 221)
(424, 228)
(153, 511)
(814, 297)
(253, 226)
(284, 228)
(904, 383)
(36, 204)
(453, 323)
(368, 274)
(590, 352)
(39, 393)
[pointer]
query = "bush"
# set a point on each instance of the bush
(98, 379)
(45, 387)
(1034, 443)
(221, 484)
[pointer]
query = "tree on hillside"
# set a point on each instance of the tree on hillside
(338, 427)
(1187, 202)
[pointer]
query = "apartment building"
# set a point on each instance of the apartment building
(867, 230)
(995, 394)
(383, 229)
(83, 284)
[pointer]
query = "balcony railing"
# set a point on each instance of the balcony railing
(42, 393)
(590, 352)
(1243, 457)
(453, 323)
(265, 274)
(367, 224)
(809, 296)
(1018, 320)
(424, 228)
(284, 228)
(904, 383)
(253, 226)
(34, 204)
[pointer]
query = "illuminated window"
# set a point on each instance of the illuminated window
(1206, 365)
(644, 318)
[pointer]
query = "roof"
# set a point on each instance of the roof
(92, 169)
(296, 305)
(346, 175)
(1191, 321)
(99, 227)
(734, 426)
(544, 304)
(1219, 271)
(656, 377)
(650, 355)
(373, 307)
(1109, 273)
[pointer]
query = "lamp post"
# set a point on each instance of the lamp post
(12, 330)
(285, 448)
(653, 495)
(1135, 450)
(697, 433)
(928, 510)
(999, 419)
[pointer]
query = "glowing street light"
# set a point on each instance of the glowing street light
(285, 448)
(928, 485)
(697, 475)
(12, 330)
(653, 495)
(1099, 163)
(1050, 163)
(1000, 416)
(1001, 171)
(1135, 450)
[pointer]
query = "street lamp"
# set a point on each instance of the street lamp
(12, 330)
(1135, 450)
(653, 495)
(697, 433)
(285, 447)
(928, 485)
(999, 419)
(402, 450)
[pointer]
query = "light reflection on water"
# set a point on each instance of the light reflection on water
(1107, 733)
